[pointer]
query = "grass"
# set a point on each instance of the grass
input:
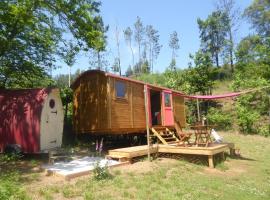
(11, 187)
(168, 179)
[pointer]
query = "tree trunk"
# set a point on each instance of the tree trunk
(99, 64)
(217, 61)
(231, 52)
(66, 109)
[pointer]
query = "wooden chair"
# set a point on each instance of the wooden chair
(183, 136)
(202, 134)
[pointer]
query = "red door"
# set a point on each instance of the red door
(167, 108)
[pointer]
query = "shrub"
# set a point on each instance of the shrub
(220, 118)
(101, 173)
(264, 130)
(246, 119)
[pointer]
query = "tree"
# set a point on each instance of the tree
(98, 60)
(139, 31)
(258, 14)
(128, 37)
(229, 8)
(154, 46)
(68, 53)
(172, 65)
(115, 66)
(145, 67)
(118, 50)
(213, 32)
(253, 71)
(201, 77)
(174, 44)
(61, 80)
(129, 71)
(31, 34)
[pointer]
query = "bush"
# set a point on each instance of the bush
(264, 130)
(246, 119)
(101, 173)
(6, 158)
(220, 118)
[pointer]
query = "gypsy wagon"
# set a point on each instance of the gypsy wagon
(31, 119)
(105, 103)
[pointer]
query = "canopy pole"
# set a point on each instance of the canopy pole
(198, 110)
(147, 121)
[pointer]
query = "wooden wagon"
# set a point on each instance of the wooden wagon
(105, 103)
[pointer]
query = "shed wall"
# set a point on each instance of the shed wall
(179, 109)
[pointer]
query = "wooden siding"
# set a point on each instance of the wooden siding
(90, 104)
(127, 112)
(179, 109)
(138, 105)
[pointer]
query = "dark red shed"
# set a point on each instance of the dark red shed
(31, 118)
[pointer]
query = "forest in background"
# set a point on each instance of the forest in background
(33, 36)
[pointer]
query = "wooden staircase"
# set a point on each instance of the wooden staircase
(164, 135)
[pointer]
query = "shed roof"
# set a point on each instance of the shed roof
(76, 82)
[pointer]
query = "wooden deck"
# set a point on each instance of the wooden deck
(126, 154)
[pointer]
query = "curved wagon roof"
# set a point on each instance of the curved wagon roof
(76, 82)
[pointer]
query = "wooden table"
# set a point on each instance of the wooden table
(202, 134)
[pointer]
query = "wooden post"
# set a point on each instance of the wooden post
(198, 110)
(211, 161)
(147, 120)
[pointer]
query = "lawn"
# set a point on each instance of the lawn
(246, 178)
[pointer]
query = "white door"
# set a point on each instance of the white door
(51, 123)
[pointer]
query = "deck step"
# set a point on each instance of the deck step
(165, 135)
(172, 142)
(170, 139)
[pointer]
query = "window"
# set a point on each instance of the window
(167, 98)
(120, 89)
(52, 103)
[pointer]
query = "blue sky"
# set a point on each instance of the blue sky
(166, 17)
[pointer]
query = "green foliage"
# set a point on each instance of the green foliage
(174, 44)
(213, 33)
(61, 80)
(220, 118)
(264, 130)
(10, 187)
(115, 67)
(66, 94)
(101, 173)
(251, 108)
(253, 56)
(155, 78)
(6, 158)
(32, 34)
(259, 15)
(153, 44)
(201, 77)
(129, 71)
(246, 119)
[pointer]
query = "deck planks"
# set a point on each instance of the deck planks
(136, 151)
